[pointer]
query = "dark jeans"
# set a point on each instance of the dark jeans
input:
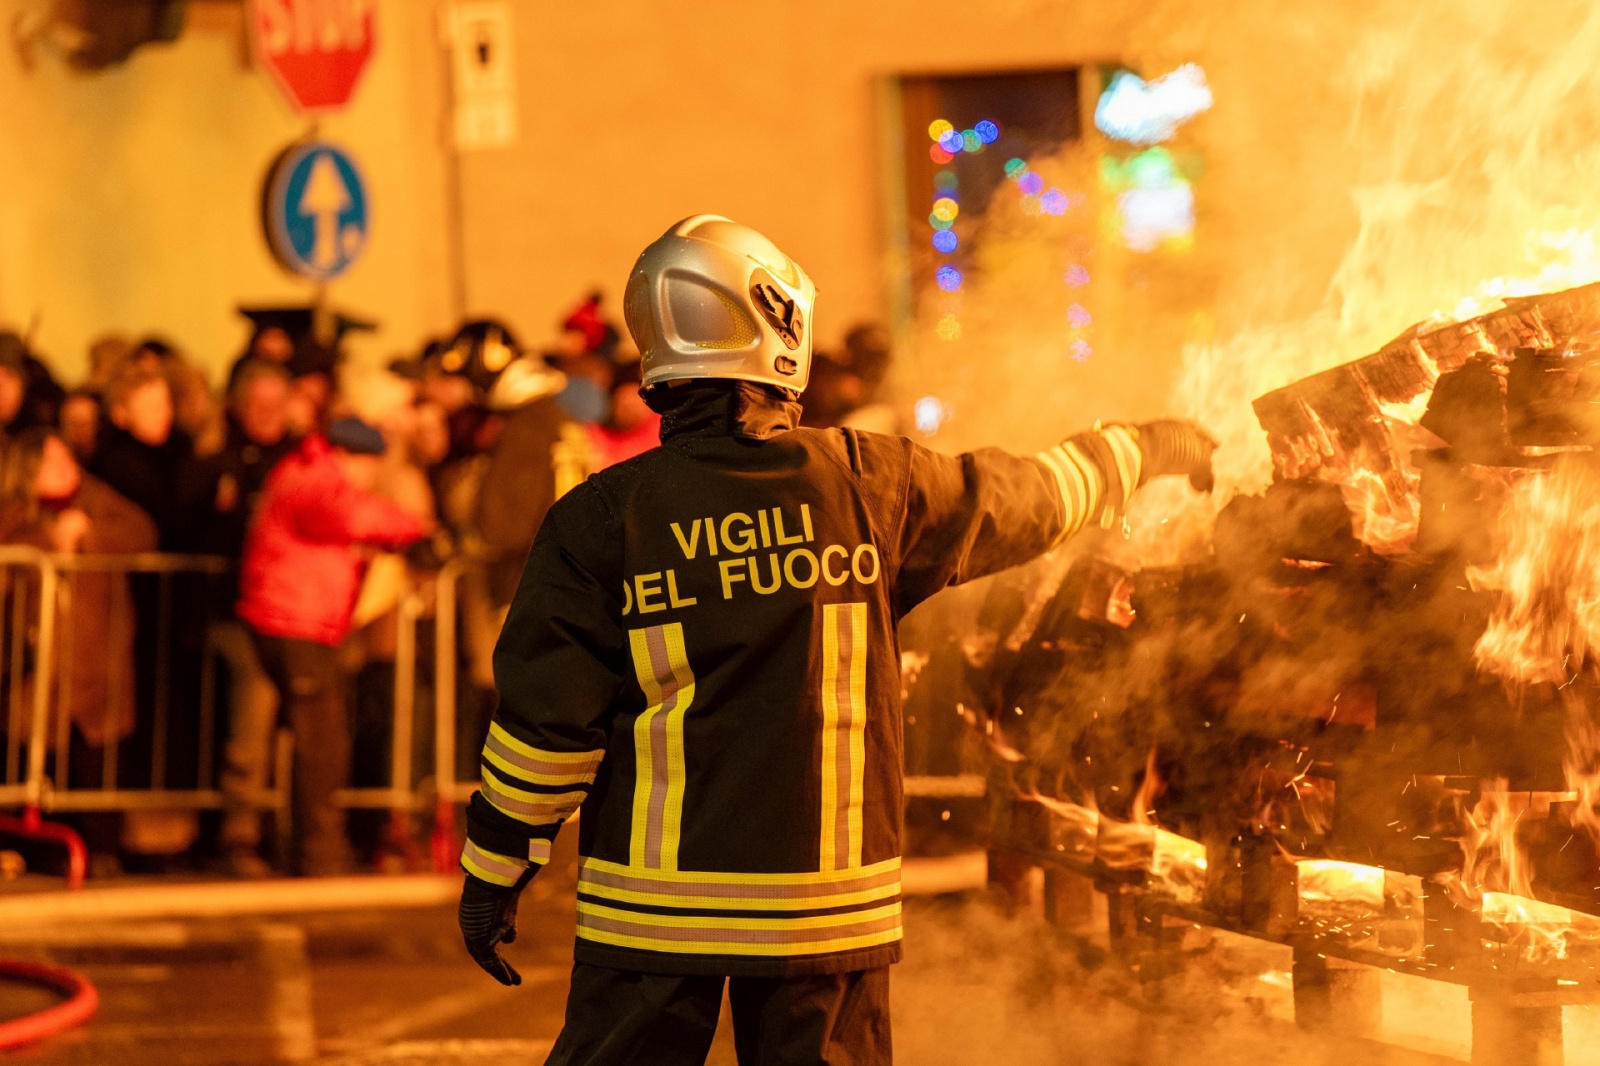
(311, 703)
(614, 1016)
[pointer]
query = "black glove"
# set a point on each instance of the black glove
(488, 918)
(1173, 446)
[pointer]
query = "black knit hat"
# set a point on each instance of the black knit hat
(356, 437)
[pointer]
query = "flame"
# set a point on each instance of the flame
(1331, 881)
(1548, 576)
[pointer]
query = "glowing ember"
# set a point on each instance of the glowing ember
(1330, 881)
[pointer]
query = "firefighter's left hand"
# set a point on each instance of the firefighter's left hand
(488, 918)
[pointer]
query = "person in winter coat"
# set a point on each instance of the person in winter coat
(48, 502)
(298, 584)
(146, 458)
(702, 656)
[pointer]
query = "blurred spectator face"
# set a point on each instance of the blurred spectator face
(146, 412)
(80, 424)
(58, 475)
(628, 408)
(107, 356)
(308, 397)
(12, 388)
(430, 436)
(273, 345)
(360, 470)
(261, 407)
(451, 392)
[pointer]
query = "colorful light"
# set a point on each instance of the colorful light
(970, 141)
(929, 413)
(938, 128)
(988, 131)
(946, 208)
(939, 155)
(946, 181)
(946, 241)
(1141, 112)
(1031, 184)
(940, 223)
(1077, 276)
(1078, 316)
(1015, 167)
(947, 278)
(951, 141)
(1079, 351)
(949, 328)
(1053, 202)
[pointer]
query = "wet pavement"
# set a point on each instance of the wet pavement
(393, 987)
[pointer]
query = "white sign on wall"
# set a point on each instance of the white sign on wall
(482, 51)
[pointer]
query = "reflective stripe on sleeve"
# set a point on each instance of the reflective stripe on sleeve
(531, 808)
(533, 766)
(1073, 474)
(491, 867)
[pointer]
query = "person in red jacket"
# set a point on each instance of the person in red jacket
(301, 573)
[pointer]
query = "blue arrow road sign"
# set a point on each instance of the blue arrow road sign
(316, 210)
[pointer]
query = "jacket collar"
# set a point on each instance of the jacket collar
(744, 410)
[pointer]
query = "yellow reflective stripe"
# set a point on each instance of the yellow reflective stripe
(738, 922)
(539, 850)
(691, 947)
(533, 808)
(531, 777)
(1076, 481)
(844, 702)
(724, 877)
(491, 866)
(700, 935)
(741, 891)
(1130, 461)
(537, 766)
(740, 902)
(1050, 463)
(661, 664)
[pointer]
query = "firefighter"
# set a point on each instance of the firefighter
(702, 657)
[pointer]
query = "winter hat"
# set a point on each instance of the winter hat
(356, 437)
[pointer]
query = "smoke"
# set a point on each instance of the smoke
(977, 986)
(1366, 166)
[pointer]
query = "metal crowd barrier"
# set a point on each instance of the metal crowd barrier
(40, 634)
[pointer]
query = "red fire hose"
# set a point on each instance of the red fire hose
(81, 1002)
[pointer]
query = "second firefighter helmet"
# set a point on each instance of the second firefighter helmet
(711, 298)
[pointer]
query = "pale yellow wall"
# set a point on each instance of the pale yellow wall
(129, 197)
(635, 115)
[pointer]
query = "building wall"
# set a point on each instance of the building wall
(636, 115)
(129, 197)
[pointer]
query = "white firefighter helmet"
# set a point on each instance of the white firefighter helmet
(713, 299)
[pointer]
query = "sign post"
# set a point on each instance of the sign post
(315, 50)
(315, 210)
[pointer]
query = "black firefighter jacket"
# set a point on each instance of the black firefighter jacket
(702, 657)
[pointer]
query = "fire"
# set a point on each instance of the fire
(1331, 881)
(1497, 880)
(1548, 576)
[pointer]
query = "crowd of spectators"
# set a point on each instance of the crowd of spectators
(331, 491)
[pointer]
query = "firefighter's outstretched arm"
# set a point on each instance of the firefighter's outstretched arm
(970, 515)
(557, 669)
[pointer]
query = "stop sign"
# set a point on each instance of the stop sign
(314, 49)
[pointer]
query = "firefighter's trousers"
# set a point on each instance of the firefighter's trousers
(617, 1018)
